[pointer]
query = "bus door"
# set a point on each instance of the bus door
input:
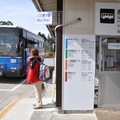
(23, 53)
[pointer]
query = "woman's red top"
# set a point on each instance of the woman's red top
(32, 74)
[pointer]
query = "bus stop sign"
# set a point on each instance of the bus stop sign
(44, 18)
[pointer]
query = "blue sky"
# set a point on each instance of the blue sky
(21, 13)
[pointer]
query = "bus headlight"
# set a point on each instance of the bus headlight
(13, 68)
(1, 66)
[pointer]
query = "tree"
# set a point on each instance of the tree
(6, 23)
(51, 40)
(42, 35)
(48, 44)
(9, 23)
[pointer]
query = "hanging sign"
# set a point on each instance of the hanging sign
(44, 17)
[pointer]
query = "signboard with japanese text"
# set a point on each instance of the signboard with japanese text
(44, 17)
(113, 45)
(107, 18)
(79, 72)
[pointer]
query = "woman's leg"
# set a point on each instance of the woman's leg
(38, 92)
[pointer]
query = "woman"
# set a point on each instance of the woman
(32, 76)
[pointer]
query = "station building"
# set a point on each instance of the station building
(87, 34)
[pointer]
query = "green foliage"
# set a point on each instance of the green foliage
(49, 55)
(42, 35)
(48, 45)
(6, 23)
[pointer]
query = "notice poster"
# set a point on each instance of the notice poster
(79, 57)
(79, 70)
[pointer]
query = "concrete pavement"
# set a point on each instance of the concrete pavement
(22, 109)
(107, 114)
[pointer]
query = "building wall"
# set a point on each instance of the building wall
(84, 9)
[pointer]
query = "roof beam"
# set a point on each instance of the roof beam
(37, 5)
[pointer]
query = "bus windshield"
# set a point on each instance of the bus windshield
(8, 44)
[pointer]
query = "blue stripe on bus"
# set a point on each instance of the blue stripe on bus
(7, 63)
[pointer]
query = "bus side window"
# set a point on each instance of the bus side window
(36, 44)
(40, 44)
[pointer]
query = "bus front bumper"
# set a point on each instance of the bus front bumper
(10, 73)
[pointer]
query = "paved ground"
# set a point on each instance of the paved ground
(108, 114)
(23, 110)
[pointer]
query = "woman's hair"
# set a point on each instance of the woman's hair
(34, 52)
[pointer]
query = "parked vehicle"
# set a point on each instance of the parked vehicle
(15, 45)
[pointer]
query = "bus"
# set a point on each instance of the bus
(15, 45)
(107, 16)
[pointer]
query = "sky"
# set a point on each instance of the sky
(21, 13)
